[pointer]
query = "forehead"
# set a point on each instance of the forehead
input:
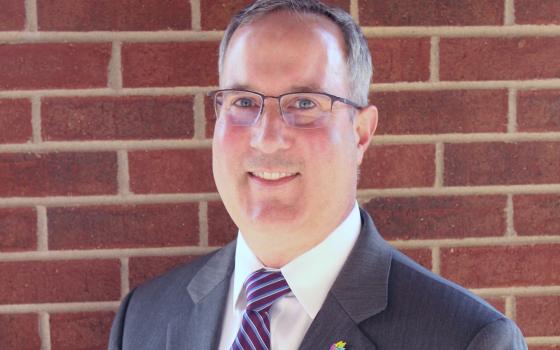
(307, 49)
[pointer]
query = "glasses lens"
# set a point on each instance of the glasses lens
(306, 110)
(238, 107)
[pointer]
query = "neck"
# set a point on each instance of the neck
(276, 249)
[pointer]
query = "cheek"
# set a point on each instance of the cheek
(228, 145)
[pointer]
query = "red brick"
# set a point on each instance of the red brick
(157, 225)
(58, 174)
(125, 118)
(544, 347)
(406, 218)
(499, 58)
(210, 116)
(18, 229)
(59, 281)
(389, 166)
(538, 110)
(81, 331)
(439, 112)
(170, 64)
(221, 229)
(53, 65)
(113, 15)
(171, 171)
(537, 12)
(498, 303)
(430, 13)
(502, 266)
(539, 315)
(536, 214)
(15, 121)
(217, 14)
(12, 16)
(420, 255)
(142, 269)
(400, 59)
(496, 163)
(19, 332)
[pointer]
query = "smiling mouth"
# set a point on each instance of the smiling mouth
(272, 176)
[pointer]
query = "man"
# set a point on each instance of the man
(308, 269)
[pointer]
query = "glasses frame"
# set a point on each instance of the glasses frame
(263, 97)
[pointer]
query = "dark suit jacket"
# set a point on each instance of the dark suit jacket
(381, 300)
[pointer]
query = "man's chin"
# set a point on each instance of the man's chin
(275, 219)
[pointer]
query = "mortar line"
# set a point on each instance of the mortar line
(512, 110)
(108, 200)
(364, 195)
(203, 223)
(355, 11)
(510, 227)
(31, 16)
(530, 84)
(509, 13)
(114, 71)
(543, 340)
(36, 120)
(196, 17)
(477, 242)
(123, 177)
(199, 117)
(125, 273)
(434, 59)
(530, 30)
(197, 250)
(517, 291)
(45, 330)
(90, 146)
(146, 145)
(439, 165)
(42, 229)
(59, 307)
(510, 307)
(511, 31)
(436, 260)
(104, 253)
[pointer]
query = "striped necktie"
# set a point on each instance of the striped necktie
(263, 288)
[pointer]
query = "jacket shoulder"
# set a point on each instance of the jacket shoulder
(426, 311)
(142, 319)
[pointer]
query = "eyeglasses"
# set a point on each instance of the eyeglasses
(307, 110)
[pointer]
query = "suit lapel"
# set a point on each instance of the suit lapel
(199, 328)
(359, 292)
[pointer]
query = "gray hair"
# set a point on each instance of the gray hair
(358, 57)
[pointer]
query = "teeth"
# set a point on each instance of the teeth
(272, 176)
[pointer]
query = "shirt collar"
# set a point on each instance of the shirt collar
(312, 274)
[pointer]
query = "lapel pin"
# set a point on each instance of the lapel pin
(341, 345)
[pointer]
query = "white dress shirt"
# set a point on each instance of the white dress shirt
(310, 277)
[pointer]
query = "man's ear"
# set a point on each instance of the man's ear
(365, 125)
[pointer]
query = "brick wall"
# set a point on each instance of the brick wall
(105, 164)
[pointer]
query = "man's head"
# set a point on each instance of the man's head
(358, 58)
(286, 168)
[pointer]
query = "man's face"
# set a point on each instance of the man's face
(276, 54)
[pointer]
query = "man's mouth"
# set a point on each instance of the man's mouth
(272, 176)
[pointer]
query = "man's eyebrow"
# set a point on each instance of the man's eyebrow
(294, 88)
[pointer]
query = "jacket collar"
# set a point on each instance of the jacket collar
(199, 328)
(360, 292)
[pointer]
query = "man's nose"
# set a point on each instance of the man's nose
(269, 134)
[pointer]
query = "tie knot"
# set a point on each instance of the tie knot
(263, 288)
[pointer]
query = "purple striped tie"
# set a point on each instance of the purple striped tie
(263, 288)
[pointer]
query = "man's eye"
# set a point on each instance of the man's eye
(304, 103)
(244, 102)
